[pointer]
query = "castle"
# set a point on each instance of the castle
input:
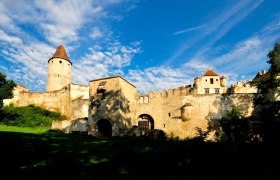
(111, 105)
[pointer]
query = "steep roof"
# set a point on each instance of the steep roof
(60, 53)
(210, 72)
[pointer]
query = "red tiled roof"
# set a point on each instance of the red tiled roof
(61, 53)
(210, 72)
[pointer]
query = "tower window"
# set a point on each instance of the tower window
(211, 81)
(60, 62)
(206, 90)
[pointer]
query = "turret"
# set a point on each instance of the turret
(196, 82)
(223, 81)
(59, 70)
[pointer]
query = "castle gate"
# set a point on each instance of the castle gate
(146, 121)
(104, 127)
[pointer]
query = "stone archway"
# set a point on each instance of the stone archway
(146, 121)
(104, 127)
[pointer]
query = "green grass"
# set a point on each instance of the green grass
(23, 129)
(34, 154)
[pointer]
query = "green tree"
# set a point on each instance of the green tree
(235, 127)
(266, 113)
(6, 88)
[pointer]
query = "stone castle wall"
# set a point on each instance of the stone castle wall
(79, 108)
(179, 112)
(79, 90)
(58, 101)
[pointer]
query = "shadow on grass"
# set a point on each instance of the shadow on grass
(56, 155)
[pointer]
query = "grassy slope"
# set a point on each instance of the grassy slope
(53, 155)
(23, 129)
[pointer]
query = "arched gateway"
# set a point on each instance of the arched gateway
(104, 127)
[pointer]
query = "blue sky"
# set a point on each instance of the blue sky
(155, 44)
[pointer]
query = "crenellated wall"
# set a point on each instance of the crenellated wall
(180, 112)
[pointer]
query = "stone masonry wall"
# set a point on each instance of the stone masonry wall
(58, 101)
(179, 112)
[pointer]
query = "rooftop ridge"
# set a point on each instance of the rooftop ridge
(60, 53)
(210, 72)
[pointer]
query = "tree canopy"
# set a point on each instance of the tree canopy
(266, 111)
(6, 88)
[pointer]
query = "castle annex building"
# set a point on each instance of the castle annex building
(109, 106)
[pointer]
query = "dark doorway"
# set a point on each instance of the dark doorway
(104, 128)
(146, 121)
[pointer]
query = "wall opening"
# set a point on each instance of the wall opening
(146, 121)
(211, 81)
(104, 127)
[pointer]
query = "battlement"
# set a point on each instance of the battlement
(180, 91)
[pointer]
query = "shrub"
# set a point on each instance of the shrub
(28, 116)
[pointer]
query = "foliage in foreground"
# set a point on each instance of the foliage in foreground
(266, 111)
(28, 116)
(6, 88)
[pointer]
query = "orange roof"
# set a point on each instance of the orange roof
(210, 72)
(60, 53)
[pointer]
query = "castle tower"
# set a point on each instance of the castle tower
(223, 81)
(59, 70)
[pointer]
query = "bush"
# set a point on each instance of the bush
(236, 128)
(28, 116)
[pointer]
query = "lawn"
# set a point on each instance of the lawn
(51, 155)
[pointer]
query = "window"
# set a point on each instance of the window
(216, 79)
(141, 99)
(60, 62)
(206, 90)
(211, 81)
(217, 90)
(146, 99)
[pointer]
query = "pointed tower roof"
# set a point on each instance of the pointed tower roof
(60, 53)
(210, 72)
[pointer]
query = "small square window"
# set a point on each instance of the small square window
(206, 90)
(217, 90)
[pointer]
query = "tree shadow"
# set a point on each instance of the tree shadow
(113, 106)
(224, 104)
(56, 155)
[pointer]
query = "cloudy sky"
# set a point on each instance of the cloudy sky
(155, 44)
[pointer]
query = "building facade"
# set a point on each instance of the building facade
(111, 105)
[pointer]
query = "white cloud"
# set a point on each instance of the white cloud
(215, 29)
(103, 62)
(189, 30)
(96, 33)
(9, 39)
(159, 78)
